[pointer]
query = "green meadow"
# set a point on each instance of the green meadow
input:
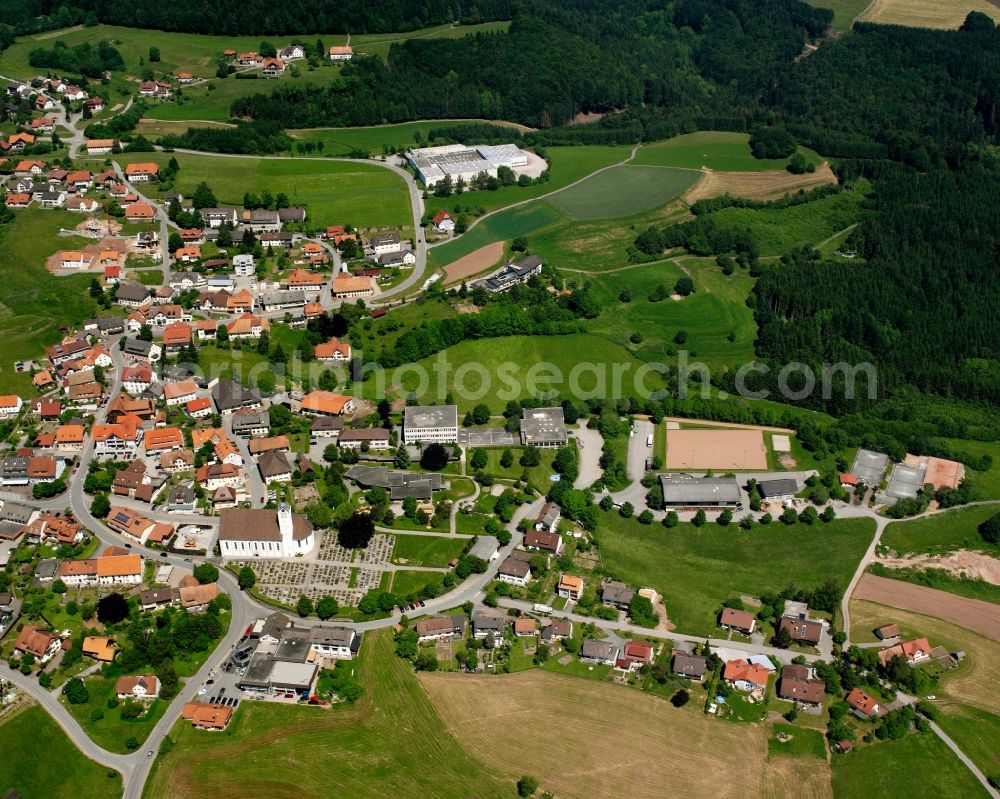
(472, 371)
(696, 569)
(372, 139)
(334, 192)
(894, 768)
(34, 303)
(716, 150)
(715, 312)
(942, 532)
(40, 760)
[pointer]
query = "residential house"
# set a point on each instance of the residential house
(207, 716)
(556, 630)
(600, 652)
(180, 393)
(617, 594)
(251, 423)
(799, 684)
(39, 643)
(514, 571)
(802, 631)
(635, 654)
(162, 439)
(144, 687)
(863, 704)
(440, 628)
(913, 652)
(230, 396)
(745, 676)
(442, 221)
(273, 68)
(684, 664)
(548, 520)
(100, 146)
(488, 625)
(570, 587)
(142, 172)
(341, 53)
(741, 621)
(524, 627)
(274, 467)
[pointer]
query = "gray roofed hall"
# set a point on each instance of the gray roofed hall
(779, 487)
(684, 489)
(430, 416)
(542, 426)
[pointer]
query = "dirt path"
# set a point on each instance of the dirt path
(973, 614)
(728, 424)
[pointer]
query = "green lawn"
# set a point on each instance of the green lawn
(425, 550)
(715, 310)
(40, 760)
(524, 220)
(34, 303)
(779, 230)
(717, 150)
(112, 731)
(334, 192)
(566, 165)
(942, 532)
(804, 742)
(538, 476)
(697, 569)
(917, 765)
(623, 191)
(383, 746)
(405, 583)
(976, 732)
(577, 360)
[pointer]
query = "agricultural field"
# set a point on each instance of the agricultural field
(942, 532)
(697, 569)
(335, 192)
(771, 185)
(661, 751)
(926, 13)
(34, 303)
(486, 356)
(475, 262)
(975, 681)
(974, 614)
(975, 731)
(716, 150)
(715, 310)
(426, 550)
(521, 220)
(383, 745)
(567, 165)
(623, 191)
(40, 760)
(893, 768)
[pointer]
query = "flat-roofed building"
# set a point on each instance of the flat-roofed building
(429, 424)
(543, 427)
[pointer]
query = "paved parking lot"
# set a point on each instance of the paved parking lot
(487, 437)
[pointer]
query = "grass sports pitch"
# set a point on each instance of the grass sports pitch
(623, 191)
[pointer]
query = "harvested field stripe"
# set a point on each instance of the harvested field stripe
(973, 614)
(473, 263)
